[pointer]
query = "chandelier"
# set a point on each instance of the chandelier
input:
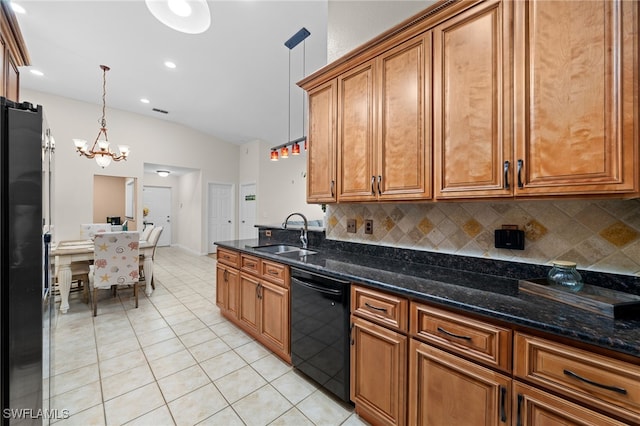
(100, 149)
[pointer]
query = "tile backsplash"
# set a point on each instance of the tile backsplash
(599, 235)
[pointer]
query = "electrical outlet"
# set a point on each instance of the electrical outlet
(368, 226)
(351, 226)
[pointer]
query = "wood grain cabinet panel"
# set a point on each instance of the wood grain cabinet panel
(471, 97)
(385, 309)
(249, 312)
(447, 390)
(481, 341)
(275, 317)
(599, 381)
(383, 152)
(356, 149)
(378, 373)
(576, 91)
(321, 151)
(227, 290)
(533, 407)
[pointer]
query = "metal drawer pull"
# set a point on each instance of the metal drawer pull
(519, 415)
(375, 307)
(520, 164)
(457, 336)
(333, 185)
(506, 175)
(373, 188)
(607, 387)
(379, 182)
(251, 265)
(272, 272)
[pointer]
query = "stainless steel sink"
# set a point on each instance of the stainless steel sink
(283, 249)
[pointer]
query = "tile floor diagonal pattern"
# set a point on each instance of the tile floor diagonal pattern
(176, 361)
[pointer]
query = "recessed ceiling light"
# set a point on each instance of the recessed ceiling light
(17, 8)
(163, 173)
(169, 64)
(144, 100)
(36, 72)
(187, 16)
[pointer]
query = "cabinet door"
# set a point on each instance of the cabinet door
(321, 146)
(534, 407)
(404, 158)
(471, 98)
(378, 373)
(249, 308)
(447, 390)
(356, 156)
(576, 93)
(221, 287)
(233, 292)
(275, 318)
(13, 80)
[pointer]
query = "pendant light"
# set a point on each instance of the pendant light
(100, 150)
(295, 40)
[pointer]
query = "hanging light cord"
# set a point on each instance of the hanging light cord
(304, 59)
(103, 120)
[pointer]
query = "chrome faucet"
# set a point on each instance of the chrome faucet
(303, 231)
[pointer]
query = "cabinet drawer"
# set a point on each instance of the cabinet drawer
(379, 307)
(275, 272)
(250, 264)
(478, 340)
(228, 257)
(600, 381)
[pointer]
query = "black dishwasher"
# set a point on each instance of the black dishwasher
(320, 330)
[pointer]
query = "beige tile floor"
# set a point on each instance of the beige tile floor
(176, 361)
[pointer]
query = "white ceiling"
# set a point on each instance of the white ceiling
(231, 81)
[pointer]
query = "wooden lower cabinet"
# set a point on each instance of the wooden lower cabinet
(264, 313)
(535, 407)
(378, 373)
(227, 290)
(445, 389)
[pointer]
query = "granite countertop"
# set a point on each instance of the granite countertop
(487, 295)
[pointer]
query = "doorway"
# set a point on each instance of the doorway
(158, 200)
(220, 214)
(247, 224)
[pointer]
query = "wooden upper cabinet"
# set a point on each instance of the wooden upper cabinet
(404, 154)
(382, 149)
(356, 150)
(321, 151)
(471, 98)
(576, 91)
(13, 53)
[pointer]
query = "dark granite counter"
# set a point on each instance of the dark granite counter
(491, 296)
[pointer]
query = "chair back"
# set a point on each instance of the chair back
(115, 258)
(89, 230)
(146, 232)
(154, 237)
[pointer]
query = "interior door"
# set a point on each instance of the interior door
(220, 214)
(158, 200)
(247, 227)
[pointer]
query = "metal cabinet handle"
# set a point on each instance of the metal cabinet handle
(503, 397)
(333, 185)
(225, 275)
(457, 336)
(591, 382)
(375, 307)
(506, 175)
(272, 272)
(373, 188)
(379, 182)
(519, 414)
(251, 265)
(351, 334)
(520, 164)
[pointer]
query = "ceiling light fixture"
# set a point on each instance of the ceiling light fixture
(186, 16)
(103, 154)
(295, 40)
(163, 173)
(170, 64)
(18, 9)
(144, 100)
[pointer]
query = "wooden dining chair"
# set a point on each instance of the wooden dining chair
(116, 259)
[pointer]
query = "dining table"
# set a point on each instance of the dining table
(67, 252)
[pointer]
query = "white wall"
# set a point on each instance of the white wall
(152, 141)
(353, 23)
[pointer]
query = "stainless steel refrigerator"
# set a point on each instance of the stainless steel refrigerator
(26, 306)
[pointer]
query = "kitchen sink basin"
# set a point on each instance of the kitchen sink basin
(284, 249)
